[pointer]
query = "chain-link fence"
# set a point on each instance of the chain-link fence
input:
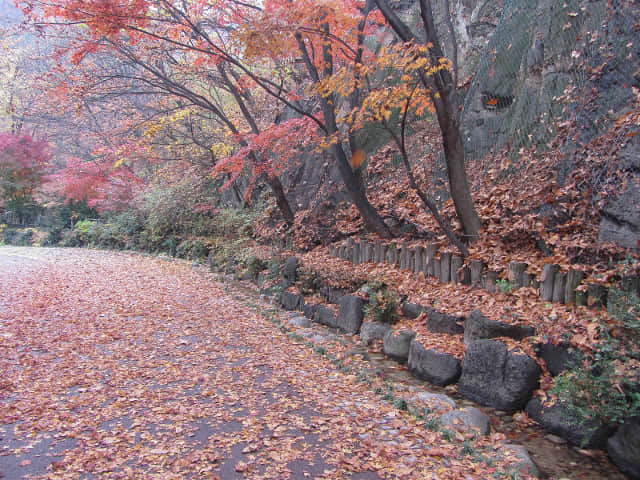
(539, 51)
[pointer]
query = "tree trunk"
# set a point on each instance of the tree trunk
(281, 199)
(442, 88)
(272, 180)
(353, 181)
(373, 222)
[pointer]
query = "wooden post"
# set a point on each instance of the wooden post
(429, 258)
(574, 278)
(392, 254)
(527, 279)
(361, 252)
(477, 267)
(516, 273)
(445, 267)
(369, 249)
(355, 254)
(436, 267)
(490, 281)
(403, 256)
(377, 252)
(418, 255)
(546, 282)
(409, 259)
(559, 283)
(456, 265)
(349, 252)
(383, 253)
(596, 296)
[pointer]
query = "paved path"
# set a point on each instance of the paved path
(117, 366)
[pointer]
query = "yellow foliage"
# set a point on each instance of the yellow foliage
(358, 158)
(222, 149)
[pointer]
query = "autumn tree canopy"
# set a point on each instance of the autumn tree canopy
(241, 68)
(24, 161)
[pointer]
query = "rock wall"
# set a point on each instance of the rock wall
(551, 62)
(534, 54)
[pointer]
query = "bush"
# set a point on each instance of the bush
(176, 209)
(234, 223)
(85, 231)
(308, 282)
(383, 303)
(54, 237)
(607, 385)
(192, 249)
(253, 266)
(20, 237)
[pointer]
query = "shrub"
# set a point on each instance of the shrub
(308, 282)
(192, 249)
(23, 237)
(54, 236)
(253, 266)
(85, 231)
(383, 303)
(607, 385)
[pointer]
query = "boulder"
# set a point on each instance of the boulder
(302, 322)
(291, 301)
(620, 218)
(290, 272)
(561, 420)
(493, 376)
(523, 463)
(464, 419)
(373, 331)
(309, 309)
(558, 357)
(436, 402)
(433, 366)
(325, 316)
(624, 447)
(438, 322)
(351, 314)
(396, 343)
(477, 327)
(412, 310)
(317, 338)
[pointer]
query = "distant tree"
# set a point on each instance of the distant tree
(151, 59)
(24, 162)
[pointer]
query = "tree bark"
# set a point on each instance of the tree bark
(281, 199)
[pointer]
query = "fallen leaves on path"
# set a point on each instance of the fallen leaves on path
(137, 367)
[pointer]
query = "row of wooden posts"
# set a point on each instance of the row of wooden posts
(553, 285)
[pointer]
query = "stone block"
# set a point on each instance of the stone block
(350, 315)
(396, 344)
(493, 376)
(432, 366)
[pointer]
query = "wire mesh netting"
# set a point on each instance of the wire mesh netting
(539, 51)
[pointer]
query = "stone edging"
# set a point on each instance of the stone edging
(489, 375)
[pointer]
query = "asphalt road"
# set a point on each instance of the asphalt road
(122, 366)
